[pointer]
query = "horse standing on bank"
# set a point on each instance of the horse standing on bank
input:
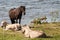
(15, 14)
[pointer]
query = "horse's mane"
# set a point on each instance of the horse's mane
(12, 9)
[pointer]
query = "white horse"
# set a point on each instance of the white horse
(7, 26)
(31, 33)
(43, 19)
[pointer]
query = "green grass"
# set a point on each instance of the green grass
(51, 29)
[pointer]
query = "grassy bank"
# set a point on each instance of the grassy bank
(51, 29)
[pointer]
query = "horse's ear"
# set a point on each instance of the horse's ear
(25, 25)
(22, 27)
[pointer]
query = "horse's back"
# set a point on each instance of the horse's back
(11, 9)
(13, 13)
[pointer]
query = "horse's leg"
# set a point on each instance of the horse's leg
(12, 21)
(20, 16)
(19, 21)
(16, 21)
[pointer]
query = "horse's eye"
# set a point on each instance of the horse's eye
(23, 32)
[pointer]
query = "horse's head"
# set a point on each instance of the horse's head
(3, 24)
(25, 28)
(22, 9)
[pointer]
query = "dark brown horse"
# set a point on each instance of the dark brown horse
(15, 14)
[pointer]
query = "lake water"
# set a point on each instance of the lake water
(34, 9)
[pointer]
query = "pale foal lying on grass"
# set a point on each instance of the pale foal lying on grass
(13, 27)
(31, 33)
